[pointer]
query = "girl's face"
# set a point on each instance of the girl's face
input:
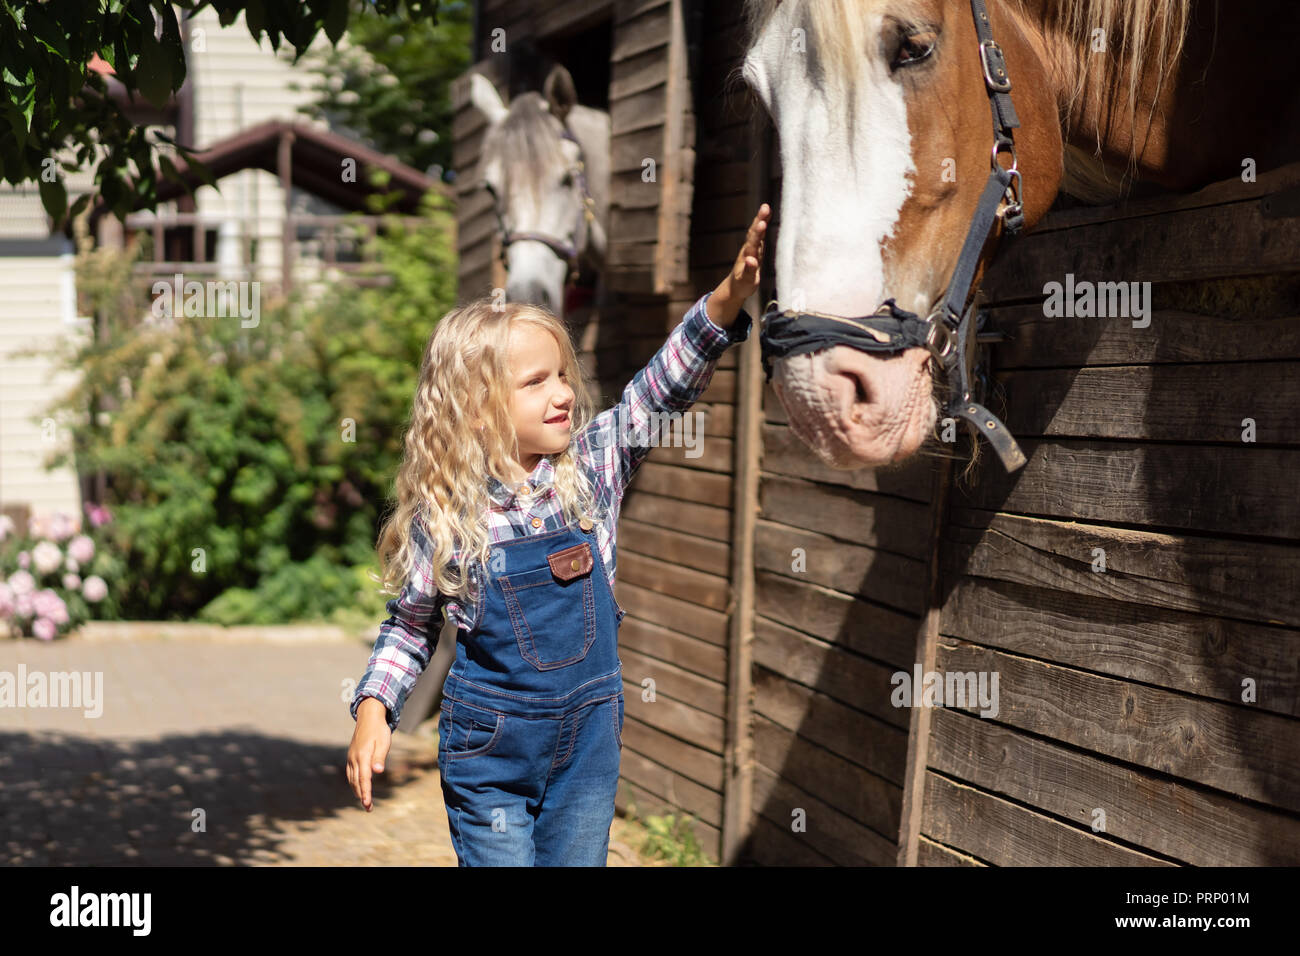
(542, 401)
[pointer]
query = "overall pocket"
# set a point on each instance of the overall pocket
(469, 731)
(554, 619)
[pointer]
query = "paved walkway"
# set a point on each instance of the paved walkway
(248, 738)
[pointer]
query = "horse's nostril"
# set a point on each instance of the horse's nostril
(860, 392)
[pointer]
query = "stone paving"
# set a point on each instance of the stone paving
(214, 752)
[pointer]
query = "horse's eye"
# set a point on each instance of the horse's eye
(567, 181)
(913, 48)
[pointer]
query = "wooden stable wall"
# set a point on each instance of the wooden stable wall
(1124, 737)
(674, 550)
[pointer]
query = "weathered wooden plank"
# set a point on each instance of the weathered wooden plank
(825, 830)
(1205, 656)
(854, 791)
(639, 111)
(1036, 340)
(930, 853)
(694, 763)
(629, 152)
(866, 729)
(674, 682)
(1254, 580)
(664, 577)
(784, 454)
(638, 73)
(639, 26)
(568, 16)
(677, 547)
(703, 520)
(686, 794)
(1234, 748)
(1181, 403)
(704, 452)
(698, 657)
(770, 844)
(629, 191)
(871, 630)
(1235, 239)
(889, 524)
(1215, 194)
(691, 484)
(673, 717)
(670, 612)
(891, 579)
(1004, 834)
(1141, 808)
(1213, 488)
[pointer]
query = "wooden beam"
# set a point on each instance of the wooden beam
(927, 643)
(738, 793)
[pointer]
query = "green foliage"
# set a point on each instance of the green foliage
(50, 100)
(235, 453)
(310, 590)
(670, 838)
(390, 86)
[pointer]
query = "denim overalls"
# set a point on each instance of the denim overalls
(530, 735)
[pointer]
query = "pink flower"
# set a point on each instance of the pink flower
(61, 526)
(6, 601)
(23, 605)
(22, 583)
(71, 582)
(93, 589)
(44, 629)
(24, 559)
(99, 515)
(48, 604)
(48, 557)
(81, 549)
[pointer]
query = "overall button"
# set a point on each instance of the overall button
(537, 522)
(585, 523)
(525, 490)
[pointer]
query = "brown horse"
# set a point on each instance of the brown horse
(883, 120)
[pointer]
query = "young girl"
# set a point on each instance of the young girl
(530, 733)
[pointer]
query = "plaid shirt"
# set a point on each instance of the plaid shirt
(671, 382)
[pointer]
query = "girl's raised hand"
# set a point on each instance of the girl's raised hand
(746, 273)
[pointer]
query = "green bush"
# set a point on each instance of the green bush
(256, 461)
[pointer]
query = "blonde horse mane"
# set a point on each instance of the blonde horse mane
(1134, 32)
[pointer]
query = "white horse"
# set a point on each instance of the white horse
(545, 161)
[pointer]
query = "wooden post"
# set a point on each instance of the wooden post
(738, 757)
(284, 163)
(927, 644)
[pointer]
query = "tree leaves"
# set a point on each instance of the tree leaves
(50, 101)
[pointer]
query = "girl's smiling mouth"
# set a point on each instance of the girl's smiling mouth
(559, 419)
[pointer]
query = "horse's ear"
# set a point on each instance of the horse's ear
(559, 92)
(484, 96)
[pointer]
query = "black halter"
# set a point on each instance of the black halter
(891, 329)
(565, 250)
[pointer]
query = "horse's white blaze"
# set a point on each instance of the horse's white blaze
(845, 176)
(847, 170)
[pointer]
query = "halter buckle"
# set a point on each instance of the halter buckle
(995, 67)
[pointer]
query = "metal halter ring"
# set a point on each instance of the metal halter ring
(999, 146)
(937, 331)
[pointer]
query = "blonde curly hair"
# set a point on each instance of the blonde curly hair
(465, 379)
